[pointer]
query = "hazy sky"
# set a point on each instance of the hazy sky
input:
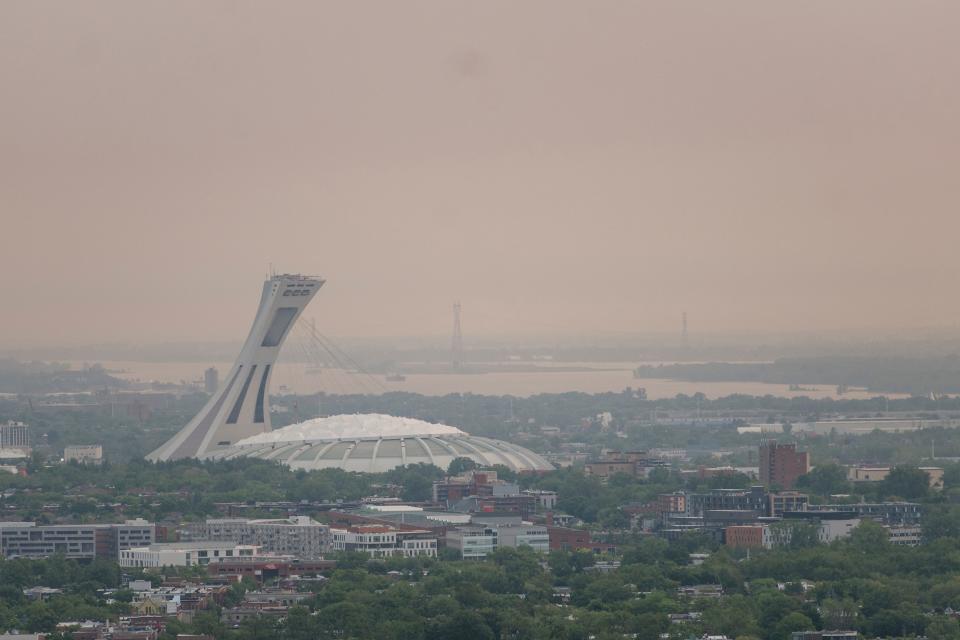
(557, 166)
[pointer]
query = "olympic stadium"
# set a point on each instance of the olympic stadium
(235, 422)
(375, 443)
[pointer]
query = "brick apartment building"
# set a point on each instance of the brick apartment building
(782, 464)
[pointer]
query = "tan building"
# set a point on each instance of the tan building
(84, 454)
(936, 477)
(634, 463)
(863, 473)
(867, 474)
(605, 469)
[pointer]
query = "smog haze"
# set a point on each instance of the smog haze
(556, 166)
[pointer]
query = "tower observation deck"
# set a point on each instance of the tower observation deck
(240, 407)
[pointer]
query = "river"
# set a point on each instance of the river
(293, 377)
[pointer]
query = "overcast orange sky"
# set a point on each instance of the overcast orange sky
(557, 166)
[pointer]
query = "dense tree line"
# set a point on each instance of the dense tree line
(191, 488)
(861, 583)
(84, 596)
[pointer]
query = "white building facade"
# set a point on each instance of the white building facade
(380, 541)
(180, 554)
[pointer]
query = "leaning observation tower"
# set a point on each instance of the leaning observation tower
(240, 407)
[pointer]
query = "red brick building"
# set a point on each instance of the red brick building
(782, 464)
(671, 503)
(745, 536)
(261, 571)
(564, 539)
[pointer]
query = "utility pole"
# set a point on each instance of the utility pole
(684, 337)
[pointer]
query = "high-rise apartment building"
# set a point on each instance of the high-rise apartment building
(782, 464)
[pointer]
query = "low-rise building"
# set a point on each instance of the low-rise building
(545, 500)
(76, 541)
(472, 541)
(569, 539)
(486, 535)
(904, 535)
(701, 591)
(685, 618)
(753, 499)
(828, 525)
(831, 525)
(84, 454)
(380, 541)
(887, 513)
(603, 566)
(236, 616)
(781, 501)
(748, 536)
(672, 502)
(878, 473)
(483, 492)
(472, 483)
(41, 593)
(262, 569)
(298, 536)
(524, 535)
(176, 597)
(824, 635)
(638, 464)
(186, 554)
(520, 505)
(275, 597)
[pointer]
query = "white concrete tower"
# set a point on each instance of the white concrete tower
(241, 406)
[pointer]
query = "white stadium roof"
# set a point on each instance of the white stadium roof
(375, 443)
(353, 426)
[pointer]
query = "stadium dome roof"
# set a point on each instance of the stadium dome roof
(375, 443)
